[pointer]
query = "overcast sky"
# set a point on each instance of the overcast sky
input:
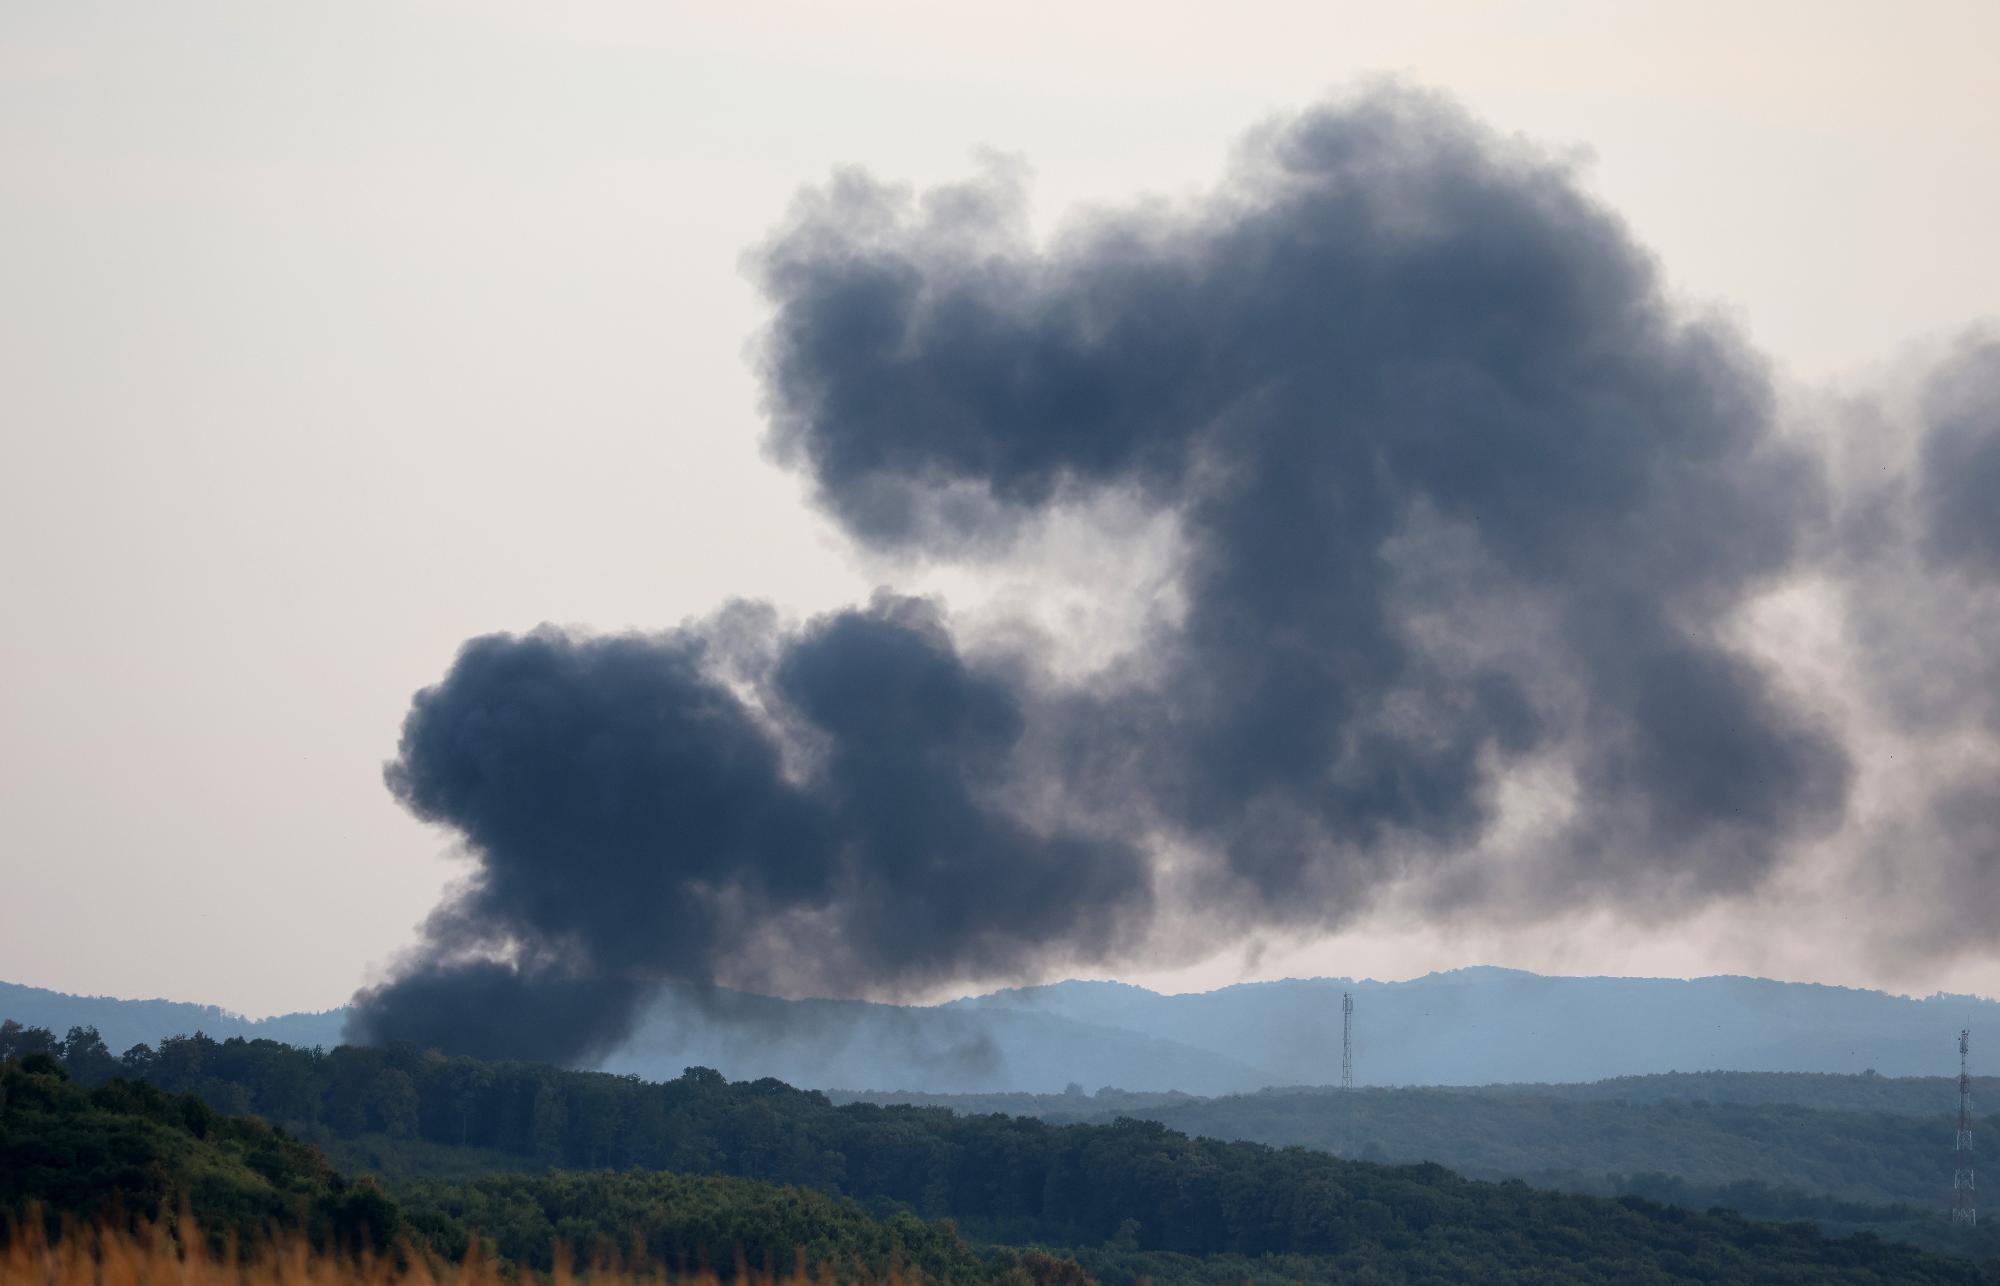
(333, 335)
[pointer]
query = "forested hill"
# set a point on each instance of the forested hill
(1848, 1151)
(1925, 1096)
(811, 1042)
(1874, 1157)
(1133, 1199)
(124, 1151)
(1864, 1092)
(1485, 1026)
(1466, 1027)
(125, 1023)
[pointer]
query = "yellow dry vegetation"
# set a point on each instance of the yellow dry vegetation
(152, 1254)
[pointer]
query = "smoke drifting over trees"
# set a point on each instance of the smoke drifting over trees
(1467, 518)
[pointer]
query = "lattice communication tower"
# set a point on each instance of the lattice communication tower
(1347, 1040)
(1963, 1208)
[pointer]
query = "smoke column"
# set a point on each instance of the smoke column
(635, 823)
(1462, 503)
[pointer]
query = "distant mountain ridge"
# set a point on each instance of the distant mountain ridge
(1478, 1026)
(1488, 1026)
(125, 1023)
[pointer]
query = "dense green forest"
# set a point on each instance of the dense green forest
(1871, 1152)
(1134, 1198)
(124, 1151)
(1865, 1139)
(1752, 1148)
(1853, 1156)
(1074, 1104)
(1685, 1153)
(1857, 1092)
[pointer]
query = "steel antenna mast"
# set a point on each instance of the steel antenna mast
(1347, 1040)
(1964, 1209)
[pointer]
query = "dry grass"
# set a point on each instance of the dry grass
(151, 1254)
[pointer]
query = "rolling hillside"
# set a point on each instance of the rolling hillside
(1469, 1027)
(1849, 1152)
(125, 1023)
(1132, 1200)
(1488, 1026)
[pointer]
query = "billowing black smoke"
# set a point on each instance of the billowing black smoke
(635, 821)
(1458, 490)
(1461, 500)
(1960, 467)
(1920, 568)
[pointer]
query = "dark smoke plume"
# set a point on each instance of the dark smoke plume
(635, 822)
(1960, 468)
(1920, 567)
(1460, 497)
(1458, 490)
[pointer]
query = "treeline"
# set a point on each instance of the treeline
(1135, 1193)
(1074, 1104)
(1848, 1172)
(130, 1154)
(1929, 1096)
(1874, 1157)
(1834, 1091)
(1649, 1136)
(127, 1151)
(1598, 1138)
(127, 1022)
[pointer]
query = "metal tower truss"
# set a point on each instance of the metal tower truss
(1964, 1207)
(1347, 1040)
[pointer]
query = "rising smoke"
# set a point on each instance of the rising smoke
(1457, 491)
(1959, 492)
(1918, 563)
(1466, 513)
(636, 821)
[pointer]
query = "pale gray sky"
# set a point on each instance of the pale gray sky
(332, 335)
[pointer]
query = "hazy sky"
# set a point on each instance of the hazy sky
(333, 335)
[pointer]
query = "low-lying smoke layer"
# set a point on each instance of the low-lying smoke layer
(1463, 503)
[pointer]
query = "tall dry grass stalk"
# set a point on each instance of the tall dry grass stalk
(150, 1254)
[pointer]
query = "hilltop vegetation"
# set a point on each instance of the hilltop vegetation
(1866, 1091)
(1868, 1139)
(1752, 1149)
(1481, 1026)
(125, 1152)
(1135, 1198)
(1852, 1156)
(410, 1116)
(1928, 1096)
(125, 1023)
(1465, 1027)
